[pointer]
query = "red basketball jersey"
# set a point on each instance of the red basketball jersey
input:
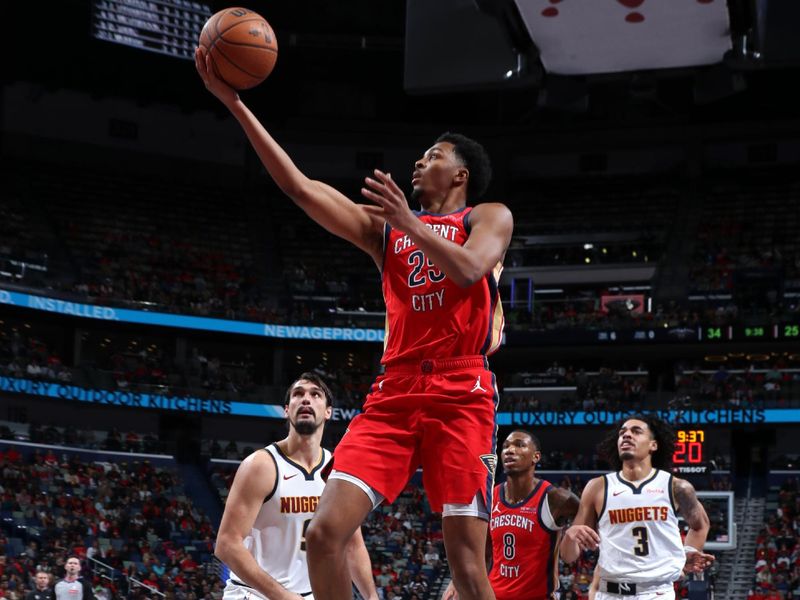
(427, 315)
(524, 549)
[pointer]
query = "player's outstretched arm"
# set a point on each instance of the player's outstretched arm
(361, 566)
(254, 480)
(491, 229)
(323, 203)
(695, 516)
(582, 535)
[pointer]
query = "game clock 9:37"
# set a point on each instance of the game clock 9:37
(689, 447)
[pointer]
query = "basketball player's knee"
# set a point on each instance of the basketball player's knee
(322, 537)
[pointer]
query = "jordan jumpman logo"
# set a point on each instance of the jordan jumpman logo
(477, 387)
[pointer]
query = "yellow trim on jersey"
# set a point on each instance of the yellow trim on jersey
(497, 319)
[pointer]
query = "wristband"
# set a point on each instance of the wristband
(688, 549)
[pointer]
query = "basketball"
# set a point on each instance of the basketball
(242, 47)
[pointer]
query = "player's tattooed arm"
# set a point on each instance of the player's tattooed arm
(563, 505)
(695, 516)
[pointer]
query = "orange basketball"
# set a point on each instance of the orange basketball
(242, 46)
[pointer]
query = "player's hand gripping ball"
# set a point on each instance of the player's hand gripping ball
(242, 47)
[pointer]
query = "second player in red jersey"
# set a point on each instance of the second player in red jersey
(525, 526)
(524, 545)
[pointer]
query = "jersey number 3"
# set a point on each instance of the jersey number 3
(642, 548)
(303, 538)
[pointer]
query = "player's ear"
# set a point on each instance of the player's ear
(328, 412)
(462, 176)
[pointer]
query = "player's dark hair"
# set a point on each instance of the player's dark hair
(475, 159)
(660, 431)
(536, 443)
(316, 380)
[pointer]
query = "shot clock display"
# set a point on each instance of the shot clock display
(689, 447)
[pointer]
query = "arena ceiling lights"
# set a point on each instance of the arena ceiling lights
(581, 37)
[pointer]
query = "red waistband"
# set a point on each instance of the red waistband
(436, 365)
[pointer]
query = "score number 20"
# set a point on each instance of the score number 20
(689, 447)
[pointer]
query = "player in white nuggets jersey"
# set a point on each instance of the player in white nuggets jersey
(273, 497)
(634, 511)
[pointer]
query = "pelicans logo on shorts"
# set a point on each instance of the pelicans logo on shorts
(490, 462)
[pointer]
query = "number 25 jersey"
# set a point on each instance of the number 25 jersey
(427, 314)
(639, 536)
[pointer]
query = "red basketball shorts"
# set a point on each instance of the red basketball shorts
(438, 414)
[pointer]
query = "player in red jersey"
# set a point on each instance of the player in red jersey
(525, 525)
(435, 403)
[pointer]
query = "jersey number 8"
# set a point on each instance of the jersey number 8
(508, 546)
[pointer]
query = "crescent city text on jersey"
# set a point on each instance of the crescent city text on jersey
(446, 231)
(510, 520)
(434, 299)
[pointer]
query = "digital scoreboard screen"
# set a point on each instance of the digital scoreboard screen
(169, 27)
(689, 455)
(689, 447)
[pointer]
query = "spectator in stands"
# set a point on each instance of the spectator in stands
(431, 556)
(43, 590)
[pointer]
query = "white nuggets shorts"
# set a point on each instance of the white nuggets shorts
(238, 592)
(665, 594)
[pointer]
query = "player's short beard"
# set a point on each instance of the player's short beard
(626, 455)
(305, 427)
(416, 193)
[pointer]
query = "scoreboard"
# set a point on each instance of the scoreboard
(689, 446)
(642, 334)
(689, 455)
(169, 27)
(728, 333)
